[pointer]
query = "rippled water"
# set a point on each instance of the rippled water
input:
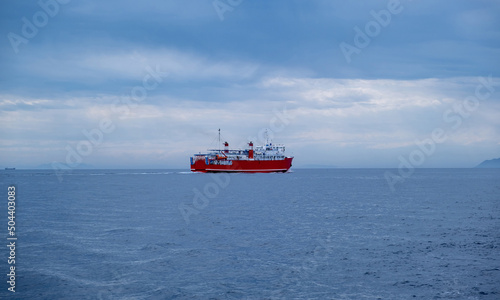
(308, 234)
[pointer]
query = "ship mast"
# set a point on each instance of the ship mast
(219, 140)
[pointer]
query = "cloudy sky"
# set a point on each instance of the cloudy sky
(128, 84)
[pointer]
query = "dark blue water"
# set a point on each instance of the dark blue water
(308, 234)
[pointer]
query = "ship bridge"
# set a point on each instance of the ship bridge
(270, 151)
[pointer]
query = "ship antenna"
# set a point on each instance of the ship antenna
(219, 140)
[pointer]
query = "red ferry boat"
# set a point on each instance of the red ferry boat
(261, 159)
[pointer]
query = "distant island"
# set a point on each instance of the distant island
(492, 163)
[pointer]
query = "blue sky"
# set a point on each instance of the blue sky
(127, 84)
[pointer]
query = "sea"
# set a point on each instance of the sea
(305, 234)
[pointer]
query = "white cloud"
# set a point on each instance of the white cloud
(118, 64)
(370, 115)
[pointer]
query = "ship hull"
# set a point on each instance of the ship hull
(244, 166)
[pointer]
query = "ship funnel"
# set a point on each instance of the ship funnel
(226, 147)
(250, 151)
